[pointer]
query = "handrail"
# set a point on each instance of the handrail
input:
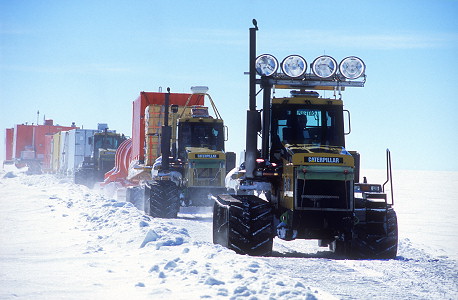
(215, 110)
(389, 174)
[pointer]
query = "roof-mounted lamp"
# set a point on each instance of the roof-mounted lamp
(352, 67)
(266, 65)
(294, 66)
(324, 66)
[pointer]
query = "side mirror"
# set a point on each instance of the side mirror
(226, 133)
(347, 122)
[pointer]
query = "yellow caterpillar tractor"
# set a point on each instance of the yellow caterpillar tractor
(192, 160)
(303, 183)
(103, 146)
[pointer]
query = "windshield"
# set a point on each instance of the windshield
(107, 141)
(203, 135)
(309, 126)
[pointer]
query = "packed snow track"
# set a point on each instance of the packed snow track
(64, 241)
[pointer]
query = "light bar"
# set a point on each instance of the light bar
(352, 67)
(324, 66)
(266, 65)
(294, 66)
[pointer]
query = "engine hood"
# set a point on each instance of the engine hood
(306, 154)
(307, 148)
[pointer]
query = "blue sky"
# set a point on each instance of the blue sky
(86, 61)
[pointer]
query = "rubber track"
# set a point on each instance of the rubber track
(163, 199)
(250, 226)
(371, 244)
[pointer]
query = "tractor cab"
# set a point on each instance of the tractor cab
(200, 131)
(200, 145)
(308, 124)
(105, 141)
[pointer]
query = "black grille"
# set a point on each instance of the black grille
(322, 194)
(207, 177)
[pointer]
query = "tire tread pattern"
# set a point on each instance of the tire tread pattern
(369, 243)
(163, 199)
(244, 225)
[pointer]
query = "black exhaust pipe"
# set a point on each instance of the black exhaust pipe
(252, 114)
(166, 134)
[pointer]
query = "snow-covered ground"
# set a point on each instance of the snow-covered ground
(63, 241)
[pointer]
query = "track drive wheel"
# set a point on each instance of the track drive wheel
(162, 199)
(376, 242)
(243, 223)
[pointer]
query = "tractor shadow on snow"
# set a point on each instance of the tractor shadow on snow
(309, 249)
(295, 254)
(196, 213)
(320, 254)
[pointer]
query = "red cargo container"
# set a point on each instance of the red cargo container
(27, 142)
(40, 132)
(138, 116)
(9, 134)
(133, 150)
(22, 140)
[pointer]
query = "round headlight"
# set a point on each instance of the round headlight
(294, 66)
(352, 67)
(324, 66)
(266, 65)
